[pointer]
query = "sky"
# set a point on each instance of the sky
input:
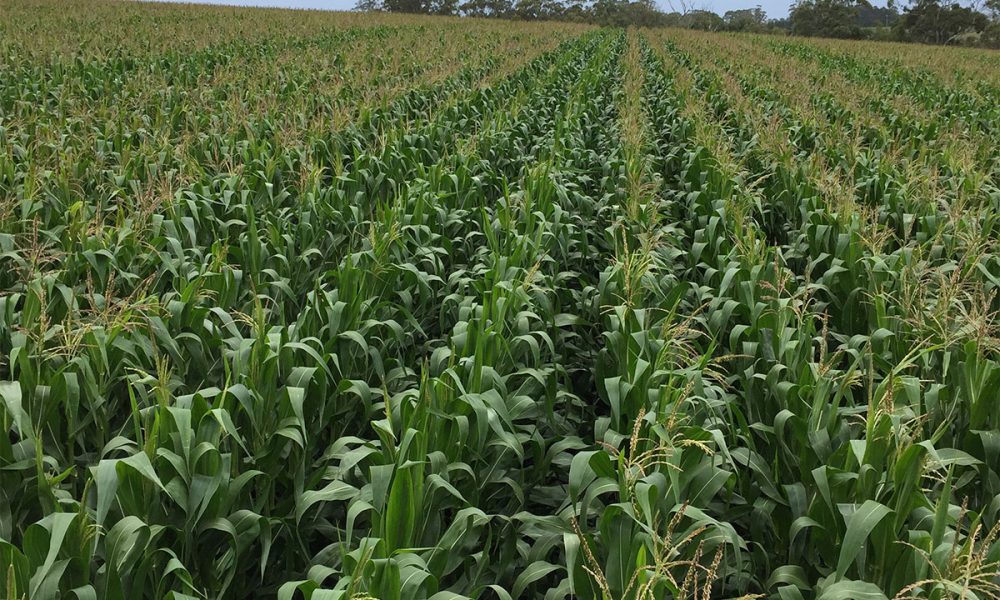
(774, 8)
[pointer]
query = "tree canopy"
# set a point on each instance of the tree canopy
(827, 18)
(923, 21)
(931, 22)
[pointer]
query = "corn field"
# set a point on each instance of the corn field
(331, 306)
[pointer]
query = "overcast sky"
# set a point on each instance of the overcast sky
(774, 8)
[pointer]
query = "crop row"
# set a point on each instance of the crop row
(533, 313)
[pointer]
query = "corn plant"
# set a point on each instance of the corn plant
(351, 306)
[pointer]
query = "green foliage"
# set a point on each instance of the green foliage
(536, 313)
(826, 18)
(930, 22)
(747, 19)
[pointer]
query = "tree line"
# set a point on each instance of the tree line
(923, 21)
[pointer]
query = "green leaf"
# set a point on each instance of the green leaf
(851, 590)
(860, 525)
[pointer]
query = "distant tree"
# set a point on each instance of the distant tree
(406, 6)
(825, 18)
(475, 8)
(876, 16)
(672, 19)
(369, 6)
(645, 13)
(443, 7)
(681, 7)
(486, 8)
(991, 35)
(930, 22)
(618, 13)
(747, 19)
(992, 9)
(704, 20)
(577, 11)
(608, 12)
(533, 10)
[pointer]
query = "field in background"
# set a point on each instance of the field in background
(333, 306)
